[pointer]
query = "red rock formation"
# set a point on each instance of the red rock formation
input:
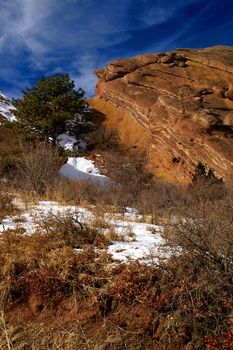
(182, 102)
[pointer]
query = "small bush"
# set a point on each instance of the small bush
(7, 206)
(46, 265)
(39, 167)
(198, 276)
(69, 231)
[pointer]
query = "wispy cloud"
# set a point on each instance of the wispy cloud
(48, 30)
(77, 36)
(82, 72)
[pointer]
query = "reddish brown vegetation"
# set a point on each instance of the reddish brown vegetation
(57, 291)
(185, 302)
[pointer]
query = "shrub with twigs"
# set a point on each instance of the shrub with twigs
(39, 167)
(198, 277)
(7, 205)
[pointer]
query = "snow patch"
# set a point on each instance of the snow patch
(143, 244)
(70, 143)
(80, 168)
(40, 212)
(66, 141)
(5, 107)
(143, 241)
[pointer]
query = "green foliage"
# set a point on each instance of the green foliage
(9, 151)
(48, 109)
(73, 153)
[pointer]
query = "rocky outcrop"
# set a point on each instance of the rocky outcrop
(182, 101)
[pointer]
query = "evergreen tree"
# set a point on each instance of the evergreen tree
(46, 110)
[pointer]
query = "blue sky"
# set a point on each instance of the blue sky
(77, 36)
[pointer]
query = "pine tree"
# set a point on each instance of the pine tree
(46, 110)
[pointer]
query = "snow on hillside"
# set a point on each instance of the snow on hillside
(70, 143)
(136, 241)
(146, 240)
(80, 168)
(5, 107)
(66, 141)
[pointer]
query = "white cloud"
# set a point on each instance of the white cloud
(69, 33)
(86, 80)
(47, 25)
(159, 11)
(47, 29)
(83, 72)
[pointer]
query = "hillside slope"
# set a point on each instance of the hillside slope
(182, 105)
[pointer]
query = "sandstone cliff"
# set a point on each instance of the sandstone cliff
(178, 106)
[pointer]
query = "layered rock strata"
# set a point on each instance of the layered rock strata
(182, 101)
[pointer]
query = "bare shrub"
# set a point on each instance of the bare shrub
(46, 265)
(132, 186)
(7, 206)
(113, 235)
(159, 200)
(103, 139)
(184, 301)
(39, 167)
(198, 275)
(84, 193)
(68, 230)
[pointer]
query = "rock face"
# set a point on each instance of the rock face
(182, 101)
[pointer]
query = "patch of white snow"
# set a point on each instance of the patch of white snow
(40, 212)
(144, 243)
(66, 141)
(5, 107)
(81, 168)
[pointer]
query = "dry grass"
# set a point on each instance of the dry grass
(39, 167)
(184, 300)
(42, 336)
(113, 235)
(7, 205)
(27, 198)
(99, 220)
(198, 279)
(46, 266)
(129, 233)
(77, 298)
(68, 336)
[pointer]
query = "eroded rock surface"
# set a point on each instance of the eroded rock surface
(183, 103)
